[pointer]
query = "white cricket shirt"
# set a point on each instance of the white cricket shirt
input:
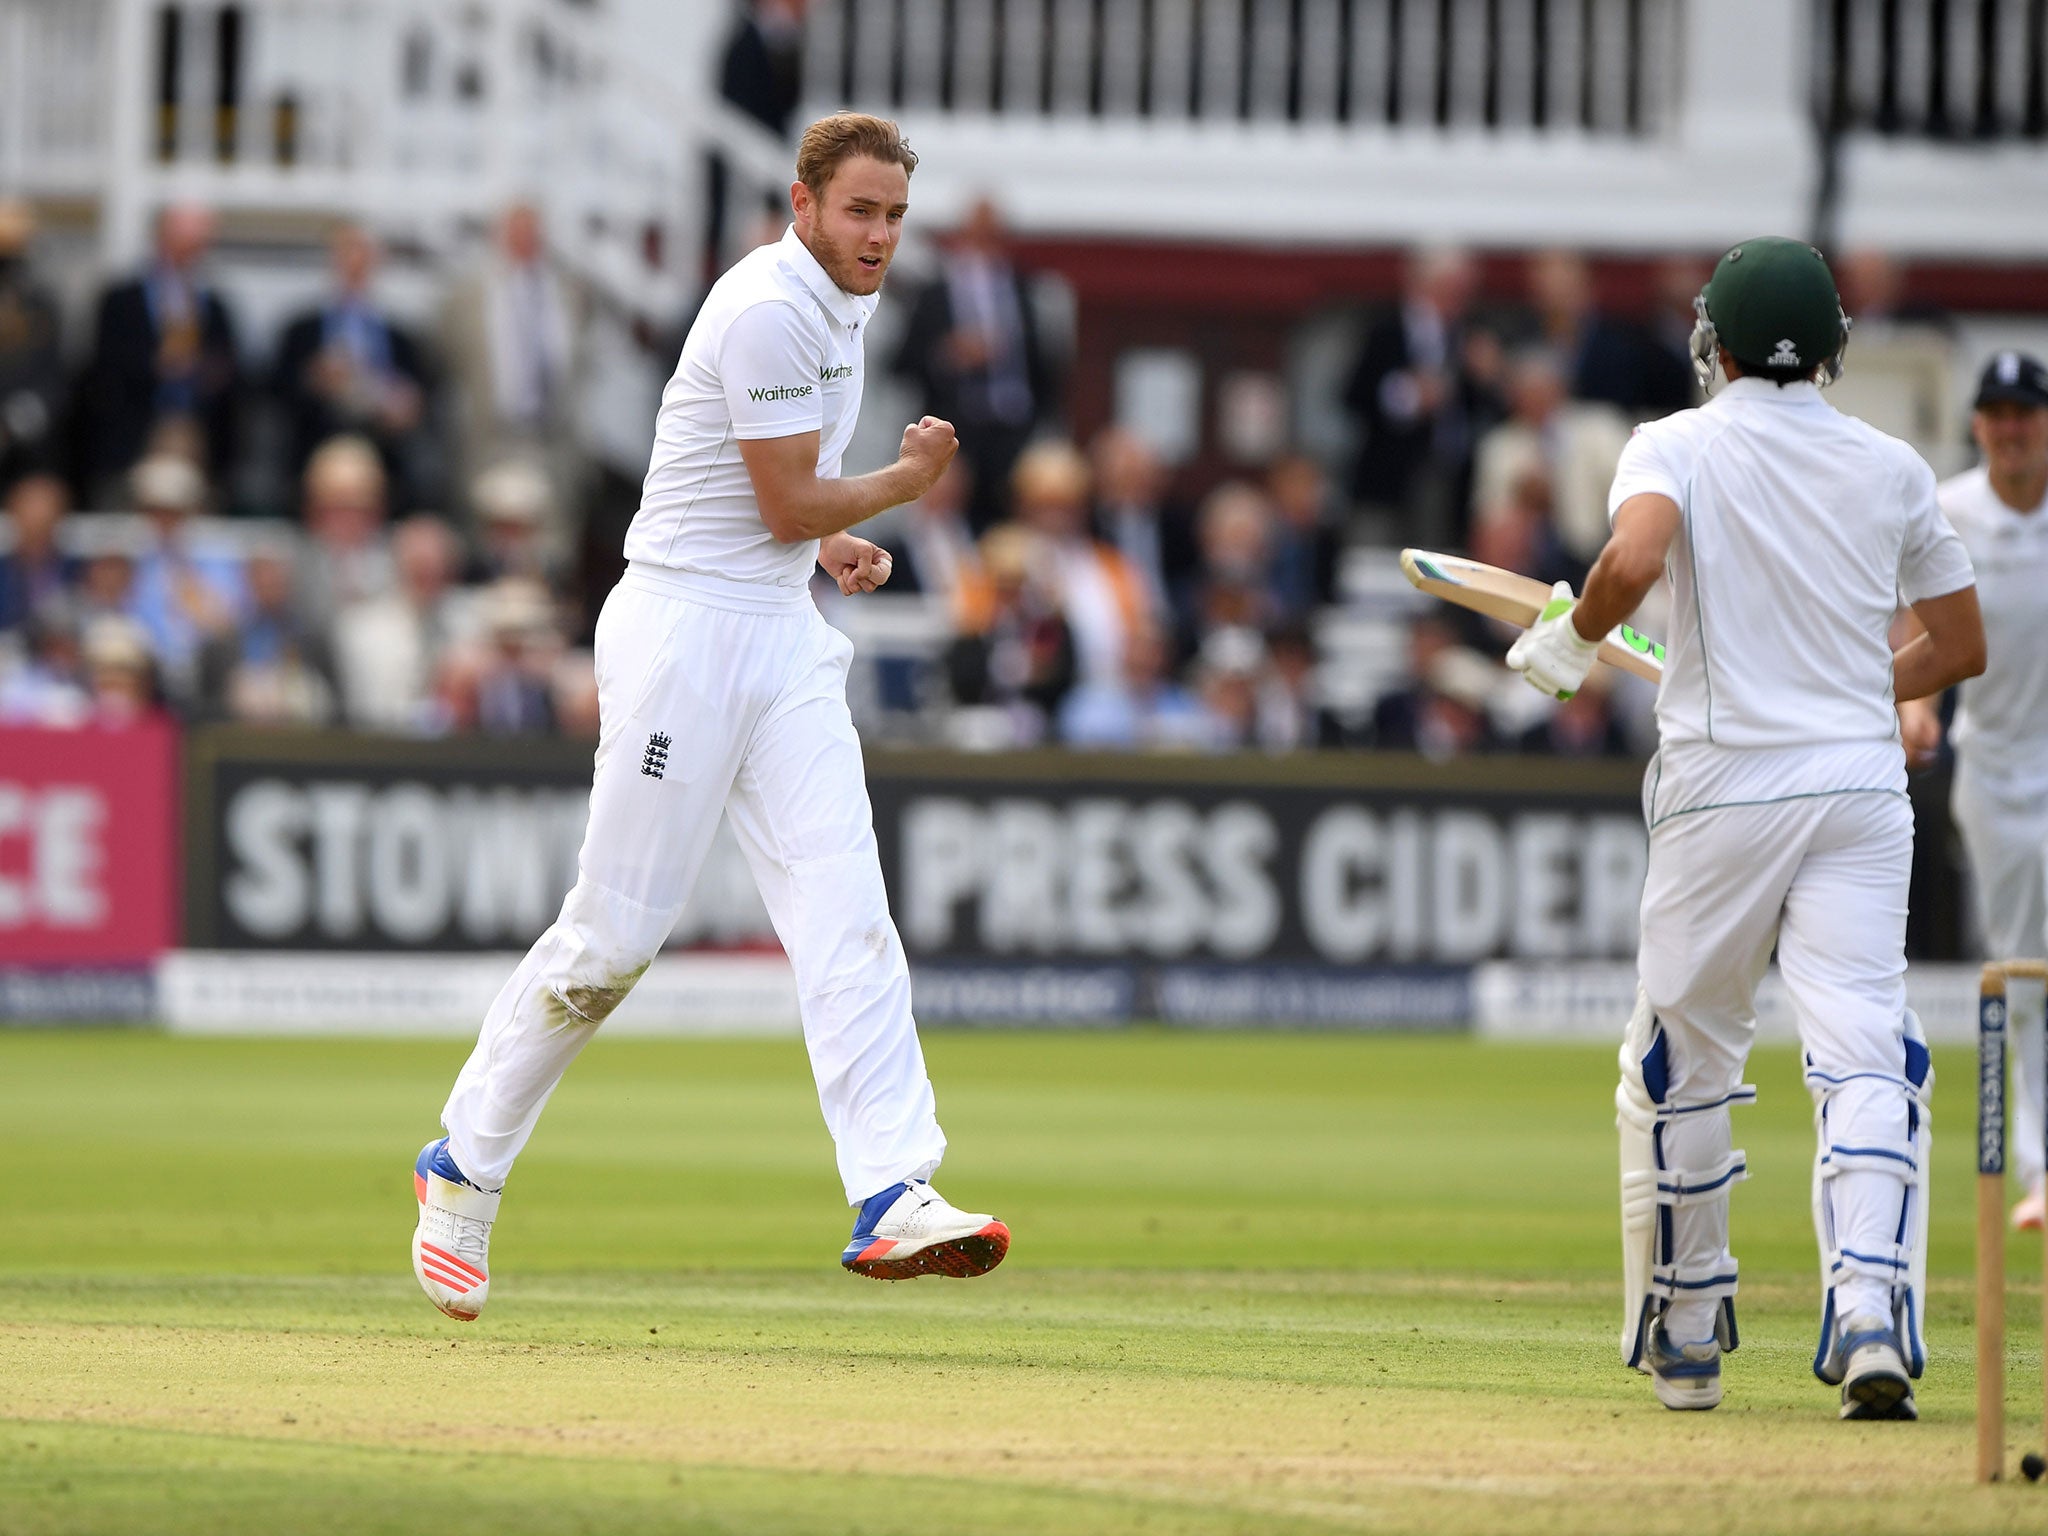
(2002, 718)
(775, 352)
(1803, 531)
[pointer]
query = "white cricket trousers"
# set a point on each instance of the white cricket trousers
(718, 696)
(1823, 877)
(2004, 823)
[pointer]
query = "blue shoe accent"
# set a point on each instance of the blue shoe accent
(1668, 1361)
(435, 1158)
(872, 1210)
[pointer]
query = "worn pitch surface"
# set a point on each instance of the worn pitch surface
(1259, 1283)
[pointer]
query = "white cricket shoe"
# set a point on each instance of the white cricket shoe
(451, 1246)
(910, 1229)
(1686, 1376)
(1875, 1383)
(2031, 1214)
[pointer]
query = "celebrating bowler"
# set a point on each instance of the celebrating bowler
(721, 689)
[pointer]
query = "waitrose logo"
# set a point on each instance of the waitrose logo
(780, 392)
(827, 375)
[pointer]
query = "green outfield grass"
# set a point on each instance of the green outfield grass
(1296, 1283)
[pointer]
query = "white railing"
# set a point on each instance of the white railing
(52, 141)
(1943, 69)
(1601, 66)
(426, 116)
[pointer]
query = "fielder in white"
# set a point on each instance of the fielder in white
(722, 690)
(1777, 815)
(2000, 798)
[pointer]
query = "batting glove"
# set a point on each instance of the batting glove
(1551, 656)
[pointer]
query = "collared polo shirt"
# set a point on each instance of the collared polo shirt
(1803, 531)
(775, 352)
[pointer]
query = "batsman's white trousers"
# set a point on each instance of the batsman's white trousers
(718, 696)
(1823, 876)
(2004, 822)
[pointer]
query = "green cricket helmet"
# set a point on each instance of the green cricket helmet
(1772, 303)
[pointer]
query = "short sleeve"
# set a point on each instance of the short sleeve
(1932, 561)
(768, 363)
(1646, 467)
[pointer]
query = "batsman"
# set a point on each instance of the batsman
(1777, 815)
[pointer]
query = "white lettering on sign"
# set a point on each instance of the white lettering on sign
(62, 881)
(1164, 879)
(341, 862)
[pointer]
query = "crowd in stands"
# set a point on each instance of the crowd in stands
(425, 560)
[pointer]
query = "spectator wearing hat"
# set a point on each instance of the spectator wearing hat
(504, 685)
(185, 591)
(1443, 712)
(347, 556)
(31, 360)
(34, 571)
(121, 676)
(514, 505)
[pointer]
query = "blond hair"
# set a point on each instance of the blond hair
(831, 141)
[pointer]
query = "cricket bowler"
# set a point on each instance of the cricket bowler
(721, 689)
(1777, 814)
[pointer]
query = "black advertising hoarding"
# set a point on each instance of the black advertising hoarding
(328, 841)
(1320, 888)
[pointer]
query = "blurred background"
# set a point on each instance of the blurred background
(332, 334)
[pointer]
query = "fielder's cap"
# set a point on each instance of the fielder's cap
(2012, 376)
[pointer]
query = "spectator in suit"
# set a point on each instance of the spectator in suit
(1307, 543)
(1598, 357)
(348, 367)
(513, 342)
(975, 351)
(164, 349)
(31, 362)
(34, 572)
(1421, 389)
(1135, 516)
(762, 71)
(1668, 380)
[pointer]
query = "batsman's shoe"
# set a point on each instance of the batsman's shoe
(2032, 1211)
(1686, 1376)
(1875, 1384)
(451, 1246)
(909, 1230)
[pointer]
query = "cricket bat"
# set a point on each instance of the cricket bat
(1518, 600)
